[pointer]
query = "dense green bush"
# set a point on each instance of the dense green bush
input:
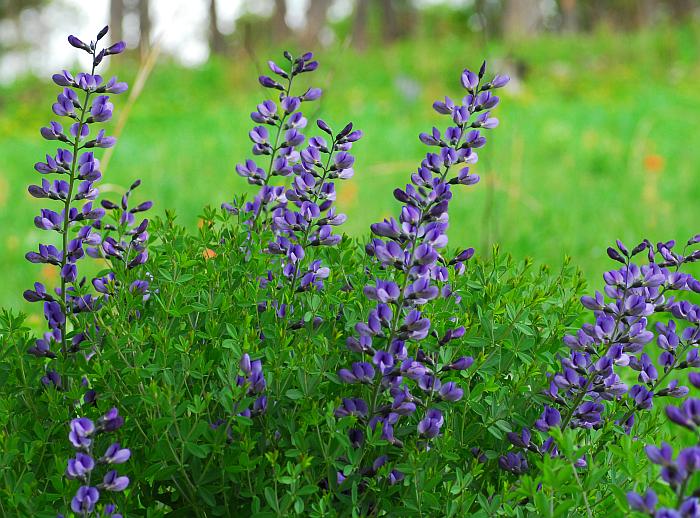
(222, 366)
(171, 364)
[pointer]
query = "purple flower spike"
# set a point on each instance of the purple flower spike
(83, 99)
(618, 338)
(409, 252)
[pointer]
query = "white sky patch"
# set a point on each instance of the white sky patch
(180, 26)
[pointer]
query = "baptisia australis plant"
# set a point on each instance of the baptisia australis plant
(84, 434)
(590, 392)
(400, 354)
(84, 102)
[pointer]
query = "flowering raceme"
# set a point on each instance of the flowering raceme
(308, 217)
(80, 224)
(589, 382)
(230, 432)
(83, 436)
(397, 356)
(303, 215)
(129, 247)
(84, 100)
(282, 146)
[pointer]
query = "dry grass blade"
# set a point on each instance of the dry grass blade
(142, 76)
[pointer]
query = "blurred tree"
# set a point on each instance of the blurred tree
(569, 15)
(390, 22)
(398, 19)
(623, 14)
(521, 18)
(144, 25)
(280, 29)
(645, 12)
(316, 16)
(116, 18)
(681, 10)
(488, 15)
(359, 25)
(13, 8)
(217, 43)
(10, 10)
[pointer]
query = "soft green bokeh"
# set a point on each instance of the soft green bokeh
(600, 140)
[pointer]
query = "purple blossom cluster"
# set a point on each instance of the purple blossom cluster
(590, 380)
(83, 436)
(85, 102)
(676, 472)
(308, 217)
(129, 246)
(397, 358)
(281, 144)
(302, 215)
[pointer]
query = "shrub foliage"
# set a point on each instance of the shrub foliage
(267, 366)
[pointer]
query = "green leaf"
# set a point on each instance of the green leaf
(294, 394)
(198, 450)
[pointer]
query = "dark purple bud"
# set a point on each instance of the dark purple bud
(639, 248)
(78, 44)
(99, 57)
(345, 131)
(103, 32)
(324, 127)
(117, 48)
(615, 255)
(268, 82)
(464, 255)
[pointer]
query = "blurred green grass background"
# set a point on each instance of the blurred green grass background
(599, 139)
